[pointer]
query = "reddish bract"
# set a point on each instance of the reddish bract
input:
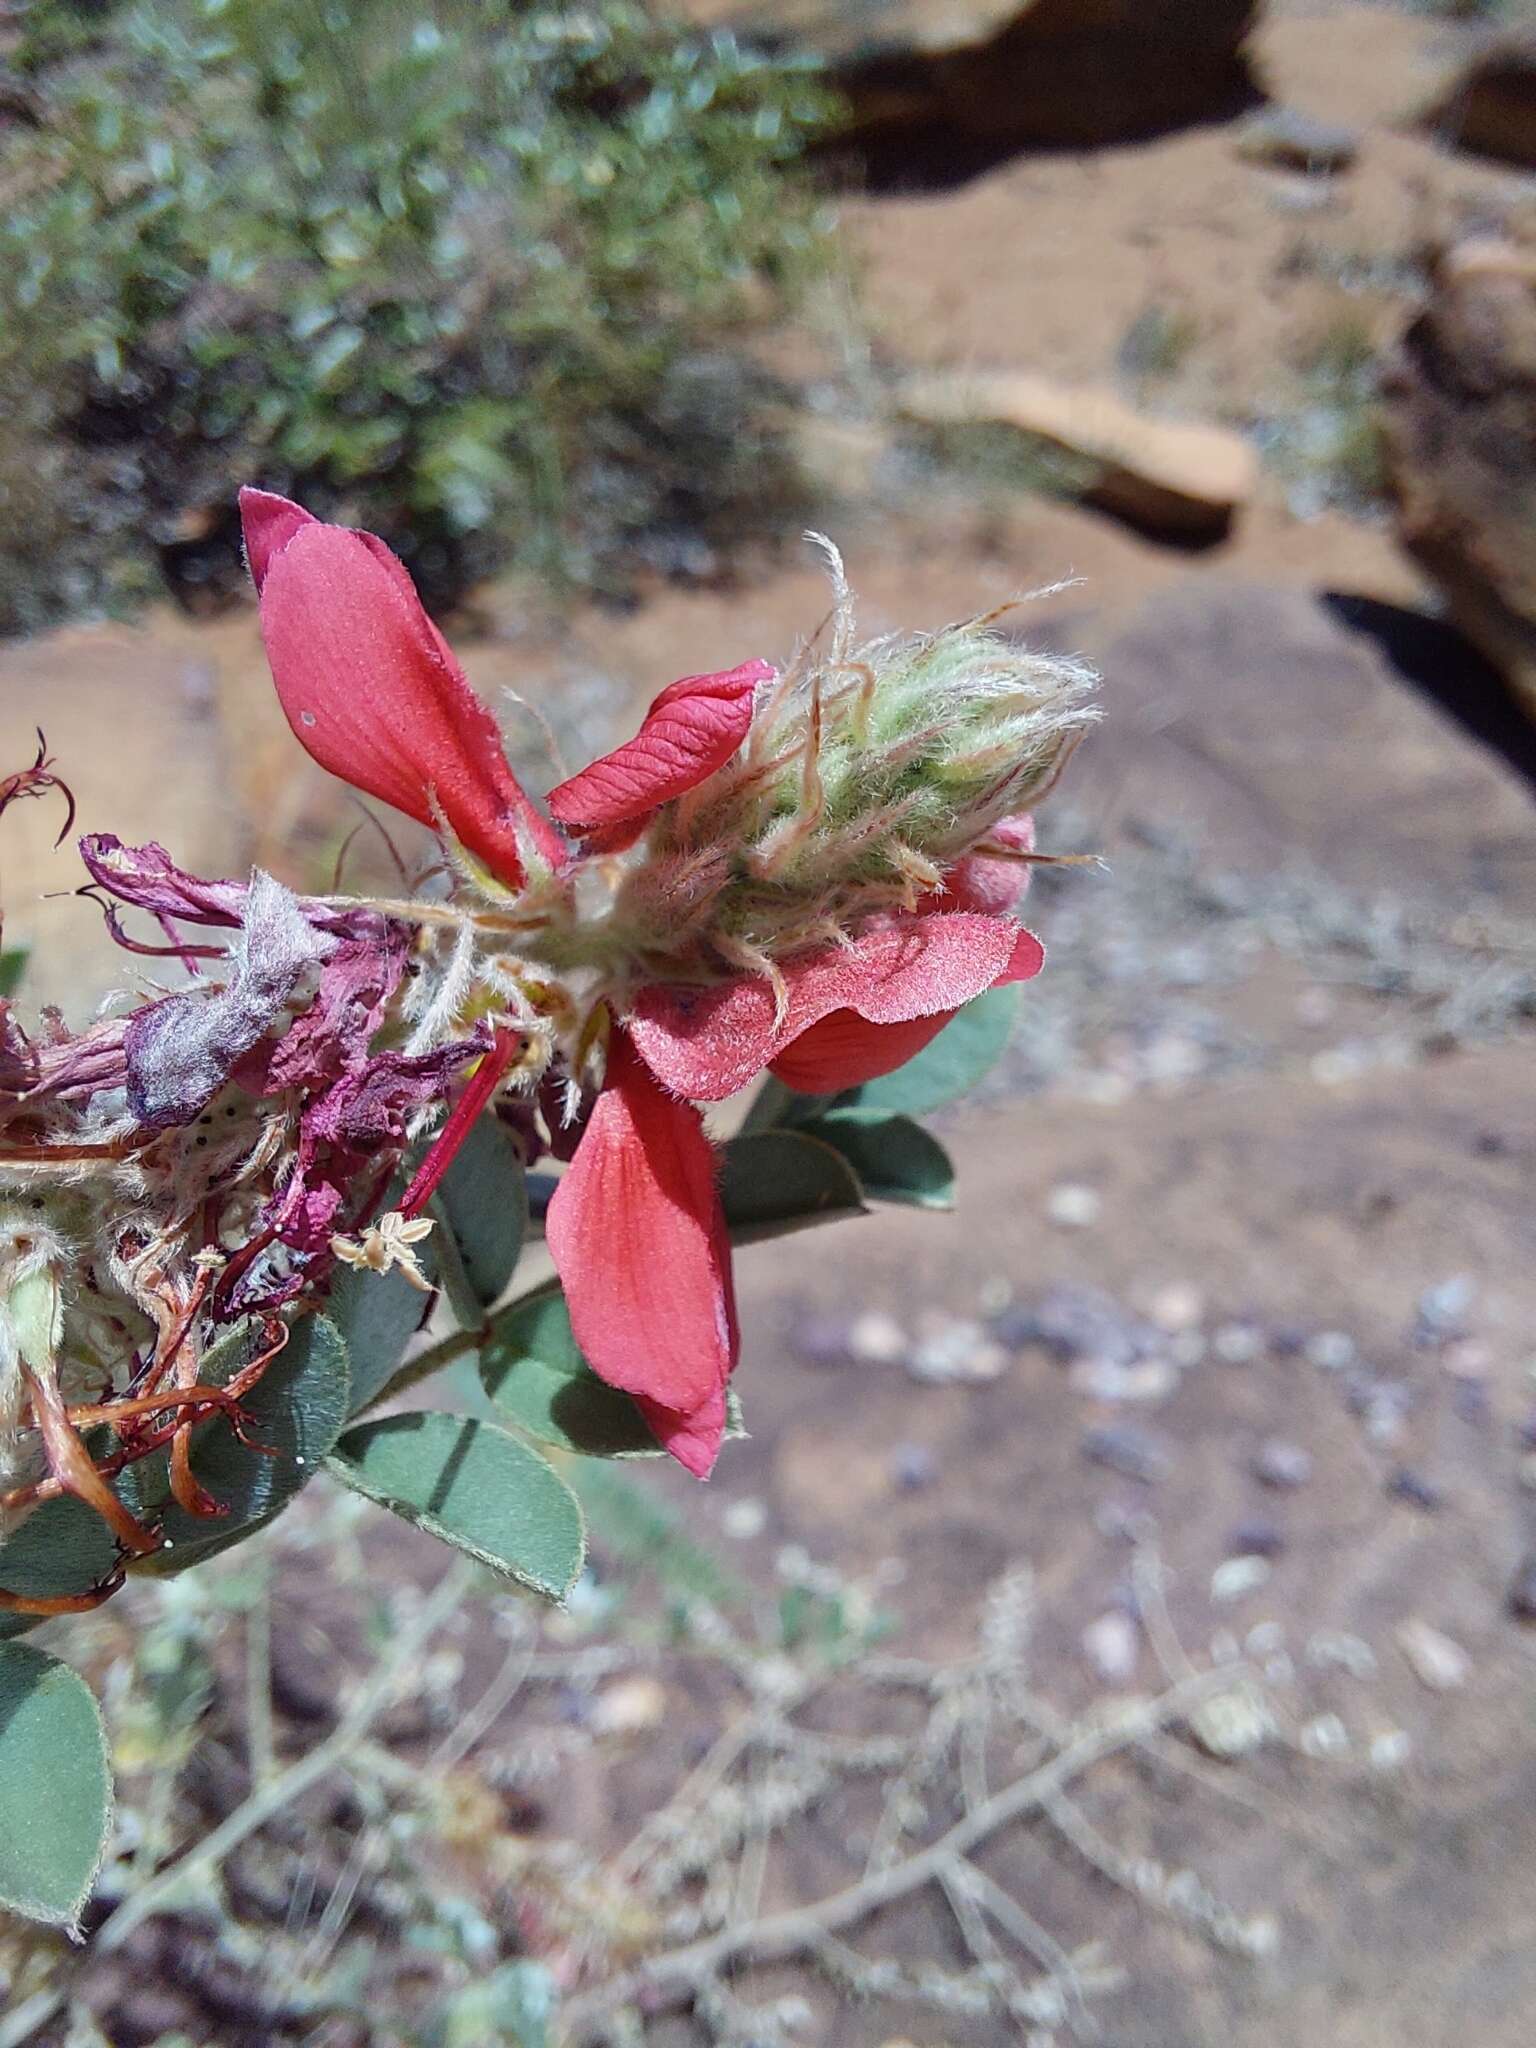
(637, 1235)
(692, 729)
(372, 691)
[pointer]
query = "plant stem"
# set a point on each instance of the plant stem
(264, 1800)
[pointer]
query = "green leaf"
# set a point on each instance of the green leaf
(895, 1159)
(55, 1787)
(292, 1416)
(62, 1547)
(778, 1181)
(476, 1487)
(482, 1213)
(950, 1065)
(378, 1314)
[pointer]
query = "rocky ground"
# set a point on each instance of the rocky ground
(1242, 1268)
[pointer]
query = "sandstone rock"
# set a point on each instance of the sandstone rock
(1490, 107)
(1461, 447)
(1062, 73)
(1177, 479)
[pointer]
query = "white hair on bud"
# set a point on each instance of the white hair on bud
(844, 609)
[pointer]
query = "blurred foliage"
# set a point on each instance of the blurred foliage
(470, 273)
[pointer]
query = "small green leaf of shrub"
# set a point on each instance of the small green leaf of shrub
(62, 1547)
(482, 1216)
(55, 1787)
(291, 1418)
(476, 1487)
(534, 1372)
(895, 1159)
(378, 1314)
(777, 1181)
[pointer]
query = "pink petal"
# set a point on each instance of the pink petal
(845, 1051)
(692, 729)
(694, 1440)
(990, 882)
(707, 1043)
(637, 1235)
(372, 691)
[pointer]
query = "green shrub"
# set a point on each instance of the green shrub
(472, 273)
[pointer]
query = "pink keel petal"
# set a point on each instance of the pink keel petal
(991, 882)
(707, 1043)
(637, 1236)
(692, 729)
(372, 691)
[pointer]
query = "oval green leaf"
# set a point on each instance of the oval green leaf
(55, 1787)
(895, 1159)
(482, 1211)
(778, 1181)
(476, 1487)
(62, 1547)
(291, 1417)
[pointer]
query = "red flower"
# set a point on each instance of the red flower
(635, 1226)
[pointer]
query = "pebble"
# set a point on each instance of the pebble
(1072, 1206)
(1443, 1308)
(1104, 1379)
(1334, 1650)
(1434, 1659)
(1122, 1447)
(1233, 1723)
(1112, 1647)
(1179, 1305)
(1390, 1749)
(913, 1467)
(1521, 1598)
(1407, 1485)
(628, 1707)
(1238, 1343)
(1235, 1577)
(957, 1350)
(876, 1338)
(744, 1519)
(1286, 1341)
(1331, 1350)
(1078, 1322)
(1325, 1736)
(1281, 1464)
(1256, 1539)
(1467, 1358)
(823, 1340)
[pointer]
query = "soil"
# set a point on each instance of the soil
(1291, 1068)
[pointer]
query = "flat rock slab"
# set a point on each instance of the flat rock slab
(1252, 721)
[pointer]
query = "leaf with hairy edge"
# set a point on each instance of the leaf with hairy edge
(534, 1372)
(481, 1211)
(950, 1065)
(55, 1787)
(292, 1416)
(62, 1547)
(778, 1181)
(476, 1487)
(895, 1159)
